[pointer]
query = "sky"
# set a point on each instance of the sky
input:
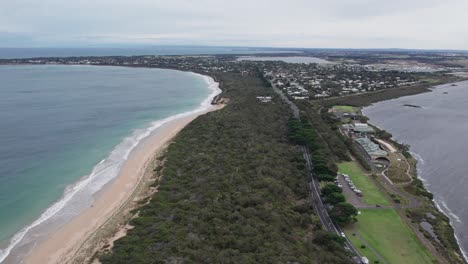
(413, 24)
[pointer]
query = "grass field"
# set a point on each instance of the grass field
(365, 252)
(346, 108)
(390, 237)
(371, 194)
(430, 80)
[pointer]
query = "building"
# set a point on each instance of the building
(363, 128)
(264, 99)
(372, 149)
(358, 129)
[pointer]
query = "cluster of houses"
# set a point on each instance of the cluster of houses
(294, 90)
(302, 81)
(299, 81)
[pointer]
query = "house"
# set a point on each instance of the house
(264, 99)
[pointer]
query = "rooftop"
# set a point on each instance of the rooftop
(370, 147)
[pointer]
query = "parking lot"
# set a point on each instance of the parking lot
(351, 196)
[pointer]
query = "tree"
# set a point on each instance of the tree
(330, 188)
(383, 134)
(335, 198)
(343, 213)
(322, 169)
(325, 177)
(327, 239)
(365, 86)
(363, 119)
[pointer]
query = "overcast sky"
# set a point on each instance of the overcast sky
(421, 24)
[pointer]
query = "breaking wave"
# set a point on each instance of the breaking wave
(106, 170)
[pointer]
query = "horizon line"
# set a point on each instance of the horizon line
(138, 46)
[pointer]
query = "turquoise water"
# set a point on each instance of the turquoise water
(59, 122)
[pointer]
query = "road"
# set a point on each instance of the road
(293, 106)
(318, 205)
(314, 186)
(321, 210)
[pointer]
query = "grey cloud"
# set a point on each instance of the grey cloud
(311, 23)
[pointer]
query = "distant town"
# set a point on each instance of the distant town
(351, 174)
(301, 81)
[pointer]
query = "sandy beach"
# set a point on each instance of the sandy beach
(63, 245)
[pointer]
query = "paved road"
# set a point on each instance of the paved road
(314, 186)
(293, 106)
(318, 205)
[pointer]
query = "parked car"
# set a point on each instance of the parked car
(364, 260)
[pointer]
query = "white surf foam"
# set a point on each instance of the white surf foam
(421, 163)
(107, 169)
(446, 209)
(440, 204)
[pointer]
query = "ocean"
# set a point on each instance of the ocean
(436, 133)
(13, 53)
(65, 132)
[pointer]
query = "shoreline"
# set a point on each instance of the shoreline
(105, 206)
(66, 239)
(417, 175)
(419, 160)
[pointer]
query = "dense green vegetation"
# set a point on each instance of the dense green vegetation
(234, 190)
(317, 113)
(324, 168)
(303, 133)
(330, 188)
(441, 227)
(335, 198)
(331, 142)
(448, 246)
(343, 213)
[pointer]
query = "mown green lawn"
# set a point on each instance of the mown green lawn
(384, 230)
(371, 194)
(365, 252)
(430, 80)
(346, 108)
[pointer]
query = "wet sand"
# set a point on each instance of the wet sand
(62, 245)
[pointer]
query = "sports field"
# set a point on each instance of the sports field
(346, 108)
(386, 233)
